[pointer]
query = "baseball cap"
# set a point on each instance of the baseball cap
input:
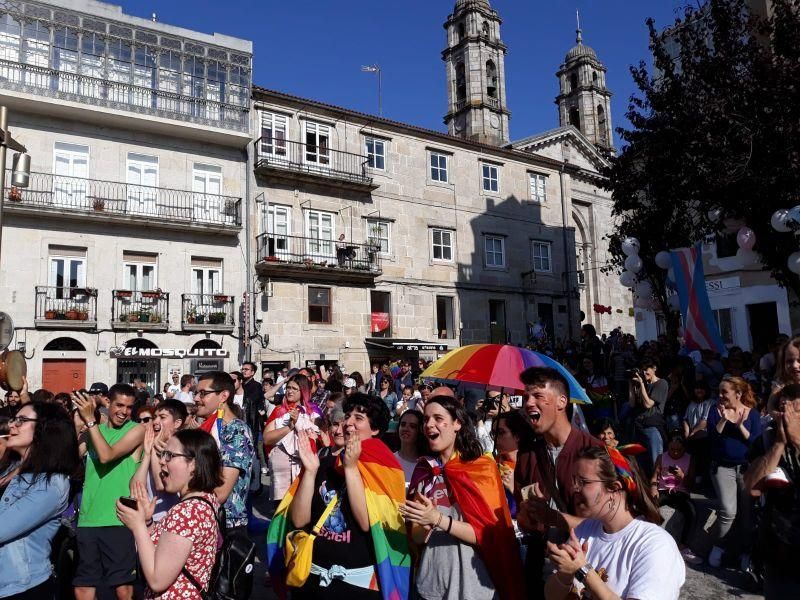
(349, 382)
(99, 388)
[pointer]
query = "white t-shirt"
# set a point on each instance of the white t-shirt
(185, 397)
(642, 561)
(238, 400)
(408, 466)
(173, 389)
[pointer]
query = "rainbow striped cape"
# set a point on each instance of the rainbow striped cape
(384, 486)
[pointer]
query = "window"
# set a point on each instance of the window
(317, 143)
(319, 305)
(273, 134)
(724, 320)
(279, 227)
(206, 200)
(442, 247)
(537, 186)
(445, 322)
(497, 322)
(67, 270)
(378, 234)
(541, 257)
(575, 118)
(439, 167)
(381, 317)
(320, 232)
(142, 178)
(139, 271)
(376, 153)
(491, 73)
(70, 169)
(36, 52)
(461, 83)
(495, 251)
(206, 276)
(491, 181)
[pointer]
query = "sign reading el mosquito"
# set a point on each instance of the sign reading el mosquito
(159, 353)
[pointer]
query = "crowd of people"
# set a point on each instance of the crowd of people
(392, 486)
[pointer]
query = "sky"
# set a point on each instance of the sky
(315, 49)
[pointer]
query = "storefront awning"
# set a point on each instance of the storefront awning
(404, 345)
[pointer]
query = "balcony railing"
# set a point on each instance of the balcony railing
(317, 257)
(60, 192)
(207, 312)
(70, 307)
(140, 310)
(123, 95)
(310, 160)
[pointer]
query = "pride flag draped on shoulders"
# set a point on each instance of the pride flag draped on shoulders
(384, 486)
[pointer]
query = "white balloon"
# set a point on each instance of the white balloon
(663, 260)
(746, 258)
(630, 246)
(633, 263)
(793, 262)
(793, 217)
(714, 214)
(627, 279)
(778, 220)
(644, 289)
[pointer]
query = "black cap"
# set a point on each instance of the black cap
(99, 388)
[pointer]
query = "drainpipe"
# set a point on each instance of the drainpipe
(565, 240)
(248, 262)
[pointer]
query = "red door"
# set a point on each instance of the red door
(63, 374)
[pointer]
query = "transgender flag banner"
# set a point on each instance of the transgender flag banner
(699, 325)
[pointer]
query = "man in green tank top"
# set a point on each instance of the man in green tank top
(106, 551)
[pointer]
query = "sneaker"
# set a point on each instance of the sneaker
(715, 557)
(690, 558)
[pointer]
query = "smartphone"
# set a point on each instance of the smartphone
(673, 470)
(129, 502)
(556, 536)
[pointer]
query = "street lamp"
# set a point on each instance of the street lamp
(21, 173)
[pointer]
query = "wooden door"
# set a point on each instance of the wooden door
(63, 374)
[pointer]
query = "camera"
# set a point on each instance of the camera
(630, 373)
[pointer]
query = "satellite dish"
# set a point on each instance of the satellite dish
(6, 330)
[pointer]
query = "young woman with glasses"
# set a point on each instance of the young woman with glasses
(185, 541)
(44, 450)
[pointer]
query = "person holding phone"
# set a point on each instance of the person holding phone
(44, 454)
(185, 541)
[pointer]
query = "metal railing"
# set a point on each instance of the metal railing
(87, 195)
(140, 307)
(55, 303)
(461, 103)
(318, 253)
(493, 102)
(315, 160)
(207, 309)
(123, 95)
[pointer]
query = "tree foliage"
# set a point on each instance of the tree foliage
(715, 125)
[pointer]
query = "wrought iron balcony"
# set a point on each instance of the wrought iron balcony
(65, 307)
(294, 160)
(312, 258)
(109, 199)
(123, 95)
(140, 310)
(207, 312)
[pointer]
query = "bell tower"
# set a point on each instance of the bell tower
(584, 100)
(476, 82)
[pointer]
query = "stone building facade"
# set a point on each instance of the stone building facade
(132, 230)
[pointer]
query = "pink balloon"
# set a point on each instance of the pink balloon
(746, 238)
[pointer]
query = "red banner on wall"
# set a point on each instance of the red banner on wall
(380, 322)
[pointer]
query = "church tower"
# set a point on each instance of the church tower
(584, 100)
(476, 82)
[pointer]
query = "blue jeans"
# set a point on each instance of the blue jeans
(651, 437)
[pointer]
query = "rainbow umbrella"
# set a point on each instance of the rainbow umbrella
(499, 366)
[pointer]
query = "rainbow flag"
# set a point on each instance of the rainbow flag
(384, 487)
(700, 329)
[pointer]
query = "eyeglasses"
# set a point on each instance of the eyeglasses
(579, 482)
(145, 419)
(21, 420)
(204, 393)
(167, 455)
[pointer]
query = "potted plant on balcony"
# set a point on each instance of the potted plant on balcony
(216, 318)
(144, 315)
(50, 314)
(133, 317)
(83, 315)
(200, 318)
(14, 194)
(123, 318)
(72, 314)
(123, 293)
(156, 317)
(272, 258)
(191, 315)
(99, 204)
(61, 315)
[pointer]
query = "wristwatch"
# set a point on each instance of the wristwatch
(580, 574)
(90, 424)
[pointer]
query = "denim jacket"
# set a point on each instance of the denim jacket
(29, 518)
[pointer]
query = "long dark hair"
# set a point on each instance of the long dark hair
(639, 502)
(422, 442)
(467, 442)
(54, 449)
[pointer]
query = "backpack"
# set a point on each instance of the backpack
(232, 575)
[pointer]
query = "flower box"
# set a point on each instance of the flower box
(221, 298)
(154, 294)
(124, 294)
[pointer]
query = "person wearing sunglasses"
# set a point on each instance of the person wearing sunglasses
(44, 453)
(185, 540)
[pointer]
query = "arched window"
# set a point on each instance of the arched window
(594, 76)
(573, 82)
(460, 32)
(575, 118)
(206, 345)
(461, 83)
(140, 343)
(485, 29)
(65, 344)
(602, 125)
(491, 79)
